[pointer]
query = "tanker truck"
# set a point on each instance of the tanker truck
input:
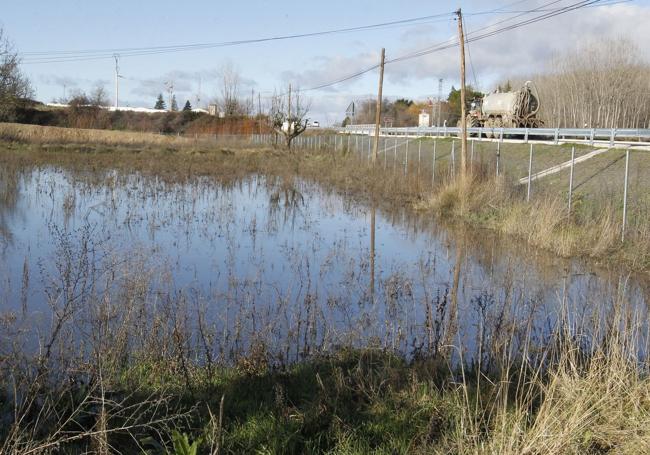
(516, 109)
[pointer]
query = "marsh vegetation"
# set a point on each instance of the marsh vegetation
(247, 299)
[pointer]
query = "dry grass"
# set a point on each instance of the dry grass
(544, 222)
(57, 135)
(601, 408)
(590, 395)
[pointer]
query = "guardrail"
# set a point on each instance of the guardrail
(591, 135)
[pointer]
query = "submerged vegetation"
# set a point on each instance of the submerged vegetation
(125, 362)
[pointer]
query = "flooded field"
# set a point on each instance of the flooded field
(279, 265)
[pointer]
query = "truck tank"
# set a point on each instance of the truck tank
(499, 104)
(516, 109)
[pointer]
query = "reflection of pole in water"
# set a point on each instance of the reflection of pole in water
(372, 253)
(453, 311)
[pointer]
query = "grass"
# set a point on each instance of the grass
(352, 402)
(365, 401)
(58, 135)
(592, 230)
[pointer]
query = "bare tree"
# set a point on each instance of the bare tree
(98, 96)
(603, 84)
(15, 88)
(288, 115)
(230, 86)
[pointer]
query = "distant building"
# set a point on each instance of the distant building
(213, 109)
(423, 119)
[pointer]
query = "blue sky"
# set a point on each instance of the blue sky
(36, 26)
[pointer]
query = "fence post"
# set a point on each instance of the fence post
(395, 153)
(385, 151)
(557, 135)
(472, 153)
(453, 157)
(419, 153)
(530, 172)
(319, 142)
(612, 137)
(627, 169)
(406, 157)
(433, 172)
(348, 149)
(369, 147)
(591, 137)
(573, 156)
(498, 157)
(526, 136)
(407, 146)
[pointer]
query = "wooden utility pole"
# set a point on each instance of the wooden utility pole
(372, 252)
(259, 112)
(378, 113)
(463, 114)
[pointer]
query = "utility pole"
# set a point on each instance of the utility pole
(198, 95)
(463, 114)
(117, 78)
(378, 113)
(439, 101)
(170, 89)
(259, 112)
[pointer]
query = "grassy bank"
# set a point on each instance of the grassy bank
(350, 402)
(592, 230)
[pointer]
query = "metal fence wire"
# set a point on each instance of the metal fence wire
(590, 176)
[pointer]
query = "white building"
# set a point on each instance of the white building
(423, 119)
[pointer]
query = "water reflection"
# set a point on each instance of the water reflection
(279, 263)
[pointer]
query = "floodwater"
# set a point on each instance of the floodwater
(284, 263)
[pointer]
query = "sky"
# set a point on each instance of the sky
(74, 25)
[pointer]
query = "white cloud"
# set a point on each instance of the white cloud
(521, 51)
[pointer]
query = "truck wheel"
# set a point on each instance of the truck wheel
(471, 123)
(489, 124)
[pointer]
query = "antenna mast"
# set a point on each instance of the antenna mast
(117, 79)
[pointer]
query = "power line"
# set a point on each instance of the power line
(58, 56)
(97, 54)
(454, 42)
(470, 37)
(469, 54)
(500, 10)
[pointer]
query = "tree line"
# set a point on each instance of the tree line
(15, 89)
(604, 84)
